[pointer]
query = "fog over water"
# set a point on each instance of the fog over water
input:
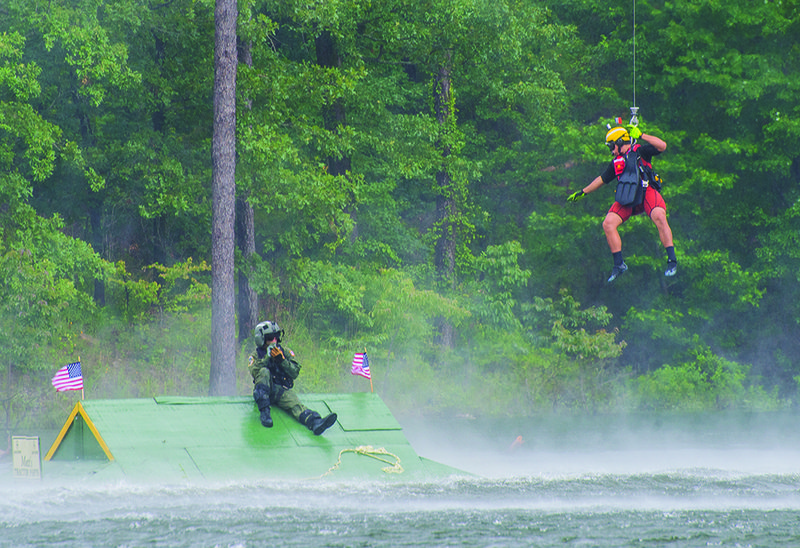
(745, 443)
(643, 480)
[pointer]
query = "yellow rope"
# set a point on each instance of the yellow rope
(369, 451)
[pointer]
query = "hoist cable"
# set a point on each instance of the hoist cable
(634, 109)
(634, 53)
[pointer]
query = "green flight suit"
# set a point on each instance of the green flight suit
(278, 375)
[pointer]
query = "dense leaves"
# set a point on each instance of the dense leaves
(355, 172)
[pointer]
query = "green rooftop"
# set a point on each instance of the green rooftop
(173, 439)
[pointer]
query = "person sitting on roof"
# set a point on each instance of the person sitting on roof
(273, 373)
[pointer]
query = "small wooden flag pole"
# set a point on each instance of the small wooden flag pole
(370, 374)
(84, 380)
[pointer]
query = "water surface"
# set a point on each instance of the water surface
(714, 480)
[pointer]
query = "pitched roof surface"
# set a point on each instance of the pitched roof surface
(178, 438)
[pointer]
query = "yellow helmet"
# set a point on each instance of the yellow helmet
(618, 134)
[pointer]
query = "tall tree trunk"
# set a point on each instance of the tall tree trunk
(245, 221)
(335, 115)
(248, 298)
(445, 253)
(94, 203)
(98, 244)
(222, 379)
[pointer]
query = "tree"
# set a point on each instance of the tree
(718, 82)
(128, 81)
(246, 236)
(46, 277)
(580, 374)
(445, 255)
(223, 329)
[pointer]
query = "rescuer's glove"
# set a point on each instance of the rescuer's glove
(575, 196)
(634, 132)
(276, 352)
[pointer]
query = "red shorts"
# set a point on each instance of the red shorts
(652, 200)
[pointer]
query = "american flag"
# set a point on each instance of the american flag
(69, 377)
(361, 365)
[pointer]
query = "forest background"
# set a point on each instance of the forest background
(402, 173)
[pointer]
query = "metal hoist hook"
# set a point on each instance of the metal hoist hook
(634, 116)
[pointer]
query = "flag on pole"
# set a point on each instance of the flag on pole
(361, 365)
(69, 377)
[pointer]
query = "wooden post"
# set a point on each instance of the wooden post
(370, 374)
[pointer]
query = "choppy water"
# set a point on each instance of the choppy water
(714, 483)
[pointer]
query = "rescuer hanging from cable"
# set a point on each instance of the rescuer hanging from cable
(638, 191)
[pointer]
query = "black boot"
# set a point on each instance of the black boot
(261, 395)
(315, 423)
(266, 418)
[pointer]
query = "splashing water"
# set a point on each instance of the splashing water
(574, 483)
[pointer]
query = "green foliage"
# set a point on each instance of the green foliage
(97, 61)
(664, 331)
(675, 387)
(336, 292)
(578, 372)
(18, 80)
(132, 298)
(709, 382)
(180, 290)
(499, 279)
(564, 251)
(105, 201)
(718, 280)
(43, 311)
(38, 309)
(403, 314)
(147, 359)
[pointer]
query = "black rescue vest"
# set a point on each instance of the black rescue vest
(634, 175)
